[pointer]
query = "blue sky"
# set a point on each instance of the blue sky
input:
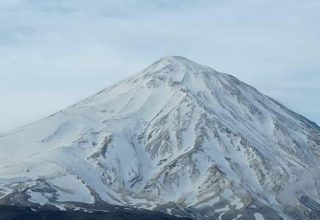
(56, 52)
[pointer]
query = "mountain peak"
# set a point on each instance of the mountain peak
(177, 133)
(176, 69)
(177, 60)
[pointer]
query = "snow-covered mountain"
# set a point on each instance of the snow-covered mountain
(178, 137)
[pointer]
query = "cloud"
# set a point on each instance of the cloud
(66, 50)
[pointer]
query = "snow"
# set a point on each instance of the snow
(61, 208)
(169, 211)
(220, 216)
(225, 209)
(236, 202)
(37, 197)
(72, 190)
(179, 132)
(238, 217)
(258, 216)
(210, 202)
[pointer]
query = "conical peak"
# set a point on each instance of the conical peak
(172, 66)
(177, 60)
(167, 72)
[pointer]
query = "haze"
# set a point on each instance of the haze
(54, 53)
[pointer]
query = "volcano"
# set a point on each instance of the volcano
(179, 138)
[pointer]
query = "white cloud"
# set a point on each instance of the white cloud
(66, 50)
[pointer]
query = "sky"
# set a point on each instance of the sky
(54, 53)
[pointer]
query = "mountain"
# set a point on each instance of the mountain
(178, 137)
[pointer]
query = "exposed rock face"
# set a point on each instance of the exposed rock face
(177, 137)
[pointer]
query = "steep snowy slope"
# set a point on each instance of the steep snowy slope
(177, 137)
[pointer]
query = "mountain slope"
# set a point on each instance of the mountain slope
(177, 137)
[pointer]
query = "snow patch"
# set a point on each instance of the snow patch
(37, 197)
(71, 188)
(258, 216)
